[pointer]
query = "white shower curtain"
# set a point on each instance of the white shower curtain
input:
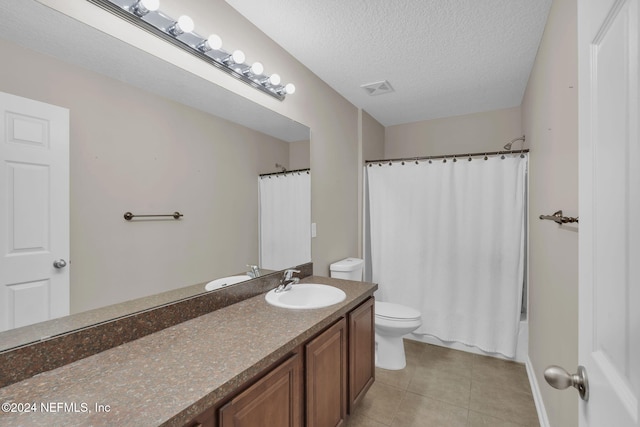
(448, 238)
(285, 220)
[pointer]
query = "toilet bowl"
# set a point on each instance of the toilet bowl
(392, 322)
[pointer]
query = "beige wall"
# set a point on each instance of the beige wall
(299, 155)
(371, 146)
(550, 121)
(133, 151)
(373, 137)
(332, 119)
(486, 131)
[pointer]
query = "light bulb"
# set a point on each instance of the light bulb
(214, 41)
(290, 88)
(238, 56)
(186, 24)
(142, 7)
(274, 79)
(150, 5)
(257, 68)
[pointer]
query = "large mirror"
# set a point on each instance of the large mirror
(149, 138)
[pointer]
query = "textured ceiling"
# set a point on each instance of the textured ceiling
(442, 57)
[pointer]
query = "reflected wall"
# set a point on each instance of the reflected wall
(131, 150)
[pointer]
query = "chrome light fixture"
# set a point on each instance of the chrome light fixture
(146, 14)
(142, 7)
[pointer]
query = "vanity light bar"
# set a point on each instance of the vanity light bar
(179, 32)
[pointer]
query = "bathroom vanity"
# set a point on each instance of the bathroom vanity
(248, 361)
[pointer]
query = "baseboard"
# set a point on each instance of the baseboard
(537, 396)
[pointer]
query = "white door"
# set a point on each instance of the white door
(609, 211)
(34, 211)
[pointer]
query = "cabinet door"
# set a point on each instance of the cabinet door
(275, 400)
(206, 419)
(361, 352)
(326, 357)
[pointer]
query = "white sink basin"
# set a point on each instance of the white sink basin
(306, 296)
(226, 281)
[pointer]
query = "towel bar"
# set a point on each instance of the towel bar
(558, 218)
(129, 216)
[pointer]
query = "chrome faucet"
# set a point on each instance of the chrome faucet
(255, 271)
(288, 280)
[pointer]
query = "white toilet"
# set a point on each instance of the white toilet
(348, 268)
(392, 321)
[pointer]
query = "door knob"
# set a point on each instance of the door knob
(59, 263)
(559, 378)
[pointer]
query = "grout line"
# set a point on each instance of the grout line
(393, 417)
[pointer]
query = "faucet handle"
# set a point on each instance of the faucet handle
(255, 271)
(288, 274)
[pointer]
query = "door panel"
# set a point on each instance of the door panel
(609, 211)
(34, 211)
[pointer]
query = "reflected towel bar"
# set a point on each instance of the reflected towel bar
(558, 218)
(129, 216)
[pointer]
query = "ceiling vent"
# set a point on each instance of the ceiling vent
(377, 88)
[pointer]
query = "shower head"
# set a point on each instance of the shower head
(508, 145)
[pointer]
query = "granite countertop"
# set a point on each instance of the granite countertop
(169, 377)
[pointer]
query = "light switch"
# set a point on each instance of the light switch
(313, 229)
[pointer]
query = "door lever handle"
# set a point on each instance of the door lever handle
(559, 378)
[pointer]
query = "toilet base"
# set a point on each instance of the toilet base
(390, 353)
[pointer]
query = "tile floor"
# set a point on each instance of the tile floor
(448, 388)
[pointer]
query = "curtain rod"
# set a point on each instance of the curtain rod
(284, 172)
(447, 156)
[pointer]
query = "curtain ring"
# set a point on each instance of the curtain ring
(444, 160)
(403, 163)
(486, 157)
(469, 158)
(454, 159)
(389, 163)
(502, 157)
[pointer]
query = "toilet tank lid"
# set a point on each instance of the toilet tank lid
(347, 264)
(395, 311)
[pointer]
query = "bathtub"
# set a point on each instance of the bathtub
(522, 348)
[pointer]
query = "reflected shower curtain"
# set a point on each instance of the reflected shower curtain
(448, 238)
(285, 220)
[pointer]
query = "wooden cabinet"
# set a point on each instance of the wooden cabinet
(275, 400)
(206, 419)
(316, 386)
(326, 377)
(361, 352)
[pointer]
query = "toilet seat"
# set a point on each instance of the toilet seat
(390, 311)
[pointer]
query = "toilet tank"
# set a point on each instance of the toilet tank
(348, 268)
